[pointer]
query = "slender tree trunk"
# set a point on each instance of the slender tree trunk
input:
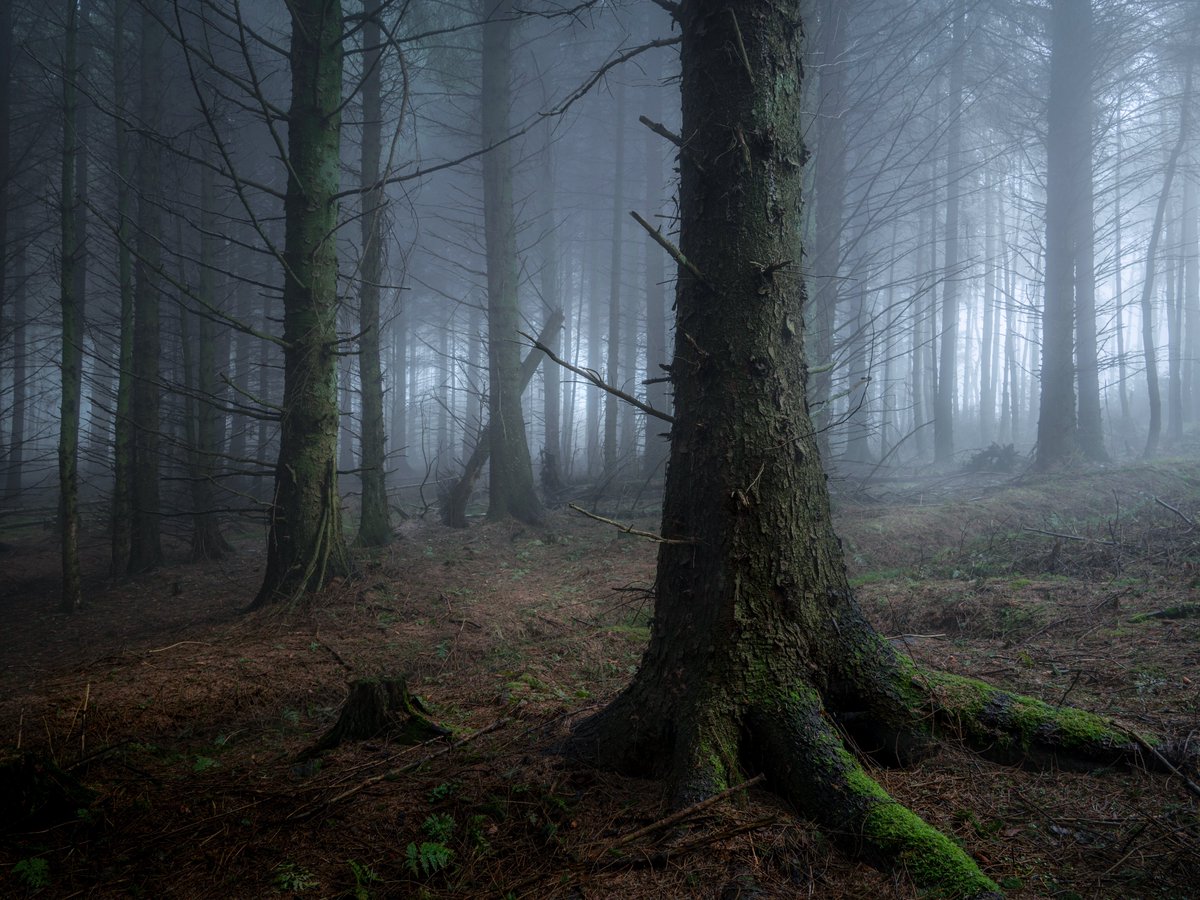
(943, 414)
(613, 364)
(657, 394)
(146, 546)
(551, 300)
(1191, 302)
(14, 476)
(830, 185)
(305, 547)
(207, 540)
(987, 387)
(123, 430)
(1174, 311)
(511, 491)
(72, 331)
(1154, 431)
(400, 381)
(374, 527)
(595, 357)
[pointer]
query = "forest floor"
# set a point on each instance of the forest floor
(183, 715)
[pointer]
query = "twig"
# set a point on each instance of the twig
(662, 130)
(594, 377)
(682, 814)
(674, 252)
(737, 32)
(178, 644)
(1191, 785)
(1166, 505)
(629, 529)
(392, 773)
(1070, 537)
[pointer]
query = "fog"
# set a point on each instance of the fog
(1002, 262)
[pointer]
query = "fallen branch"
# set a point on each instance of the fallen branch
(1166, 505)
(629, 529)
(392, 773)
(1146, 745)
(682, 814)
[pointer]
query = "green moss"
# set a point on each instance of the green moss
(930, 858)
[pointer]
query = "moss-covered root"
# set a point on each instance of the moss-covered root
(1015, 728)
(805, 761)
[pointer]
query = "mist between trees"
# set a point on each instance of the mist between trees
(1001, 247)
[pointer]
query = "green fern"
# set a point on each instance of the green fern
(429, 858)
(439, 827)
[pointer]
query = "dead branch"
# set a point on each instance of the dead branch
(594, 377)
(629, 529)
(674, 252)
(1166, 505)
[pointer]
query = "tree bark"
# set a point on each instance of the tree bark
(757, 642)
(374, 524)
(71, 304)
(122, 502)
(145, 550)
(305, 547)
(655, 458)
(511, 491)
(943, 413)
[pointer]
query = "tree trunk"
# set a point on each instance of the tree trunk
(455, 512)
(374, 526)
(14, 476)
(511, 491)
(305, 547)
(612, 363)
(1069, 93)
(123, 432)
(830, 186)
(1154, 431)
(207, 540)
(757, 642)
(657, 396)
(145, 545)
(551, 300)
(1090, 432)
(943, 413)
(1191, 302)
(72, 331)
(987, 371)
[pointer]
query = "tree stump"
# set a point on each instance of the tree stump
(379, 707)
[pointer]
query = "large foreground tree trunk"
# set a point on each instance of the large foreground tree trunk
(758, 645)
(305, 547)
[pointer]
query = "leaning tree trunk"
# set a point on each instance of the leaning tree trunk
(511, 487)
(305, 547)
(757, 644)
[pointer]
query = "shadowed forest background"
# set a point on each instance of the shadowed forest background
(340, 342)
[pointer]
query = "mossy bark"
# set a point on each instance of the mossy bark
(305, 547)
(758, 651)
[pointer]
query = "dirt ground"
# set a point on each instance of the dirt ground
(182, 716)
